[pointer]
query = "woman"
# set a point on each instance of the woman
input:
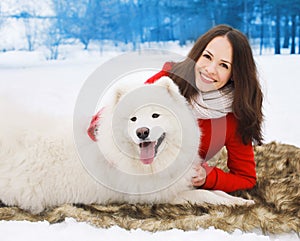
(219, 80)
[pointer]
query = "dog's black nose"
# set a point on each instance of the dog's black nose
(142, 133)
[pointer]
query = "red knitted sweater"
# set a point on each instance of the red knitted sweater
(217, 133)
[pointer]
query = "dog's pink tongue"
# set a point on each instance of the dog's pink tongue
(147, 152)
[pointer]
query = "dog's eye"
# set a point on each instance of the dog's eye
(155, 115)
(133, 119)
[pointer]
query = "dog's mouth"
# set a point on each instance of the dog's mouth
(148, 149)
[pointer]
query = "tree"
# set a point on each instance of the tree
(30, 30)
(56, 30)
(80, 21)
(293, 34)
(28, 17)
(294, 14)
(261, 11)
(277, 32)
(1, 22)
(286, 41)
(298, 34)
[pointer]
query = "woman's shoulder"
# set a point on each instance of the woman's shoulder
(230, 117)
(232, 123)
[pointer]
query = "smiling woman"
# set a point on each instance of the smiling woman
(219, 80)
(213, 68)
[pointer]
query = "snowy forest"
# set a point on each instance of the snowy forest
(128, 24)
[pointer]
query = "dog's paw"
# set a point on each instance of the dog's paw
(201, 196)
(232, 200)
(246, 202)
(238, 201)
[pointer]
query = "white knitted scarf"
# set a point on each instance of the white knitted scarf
(213, 104)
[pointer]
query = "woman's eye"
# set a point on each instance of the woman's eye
(207, 56)
(133, 119)
(155, 115)
(225, 66)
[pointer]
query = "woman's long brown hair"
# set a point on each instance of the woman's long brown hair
(248, 97)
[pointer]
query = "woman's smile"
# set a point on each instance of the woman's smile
(206, 79)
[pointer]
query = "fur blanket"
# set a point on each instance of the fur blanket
(276, 209)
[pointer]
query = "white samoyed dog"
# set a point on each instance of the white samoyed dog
(144, 152)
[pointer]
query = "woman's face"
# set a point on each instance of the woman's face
(214, 67)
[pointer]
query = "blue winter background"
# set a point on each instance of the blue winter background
(134, 24)
(48, 48)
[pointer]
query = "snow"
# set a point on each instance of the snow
(280, 81)
(70, 230)
(53, 86)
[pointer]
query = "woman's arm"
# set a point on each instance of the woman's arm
(241, 163)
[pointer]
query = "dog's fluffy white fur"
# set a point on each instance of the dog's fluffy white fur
(40, 166)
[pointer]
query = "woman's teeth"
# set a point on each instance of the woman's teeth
(207, 78)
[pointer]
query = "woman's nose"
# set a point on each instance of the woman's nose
(211, 68)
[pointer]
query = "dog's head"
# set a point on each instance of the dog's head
(143, 127)
(150, 128)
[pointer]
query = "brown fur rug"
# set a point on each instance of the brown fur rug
(276, 209)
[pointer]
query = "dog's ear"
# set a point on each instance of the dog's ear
(123, 88)
(120, 90)
(169, 84)
(118, 95)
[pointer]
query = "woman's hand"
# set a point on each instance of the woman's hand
(200, 176)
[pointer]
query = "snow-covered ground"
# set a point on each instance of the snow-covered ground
(54, 86)
(70, 230)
